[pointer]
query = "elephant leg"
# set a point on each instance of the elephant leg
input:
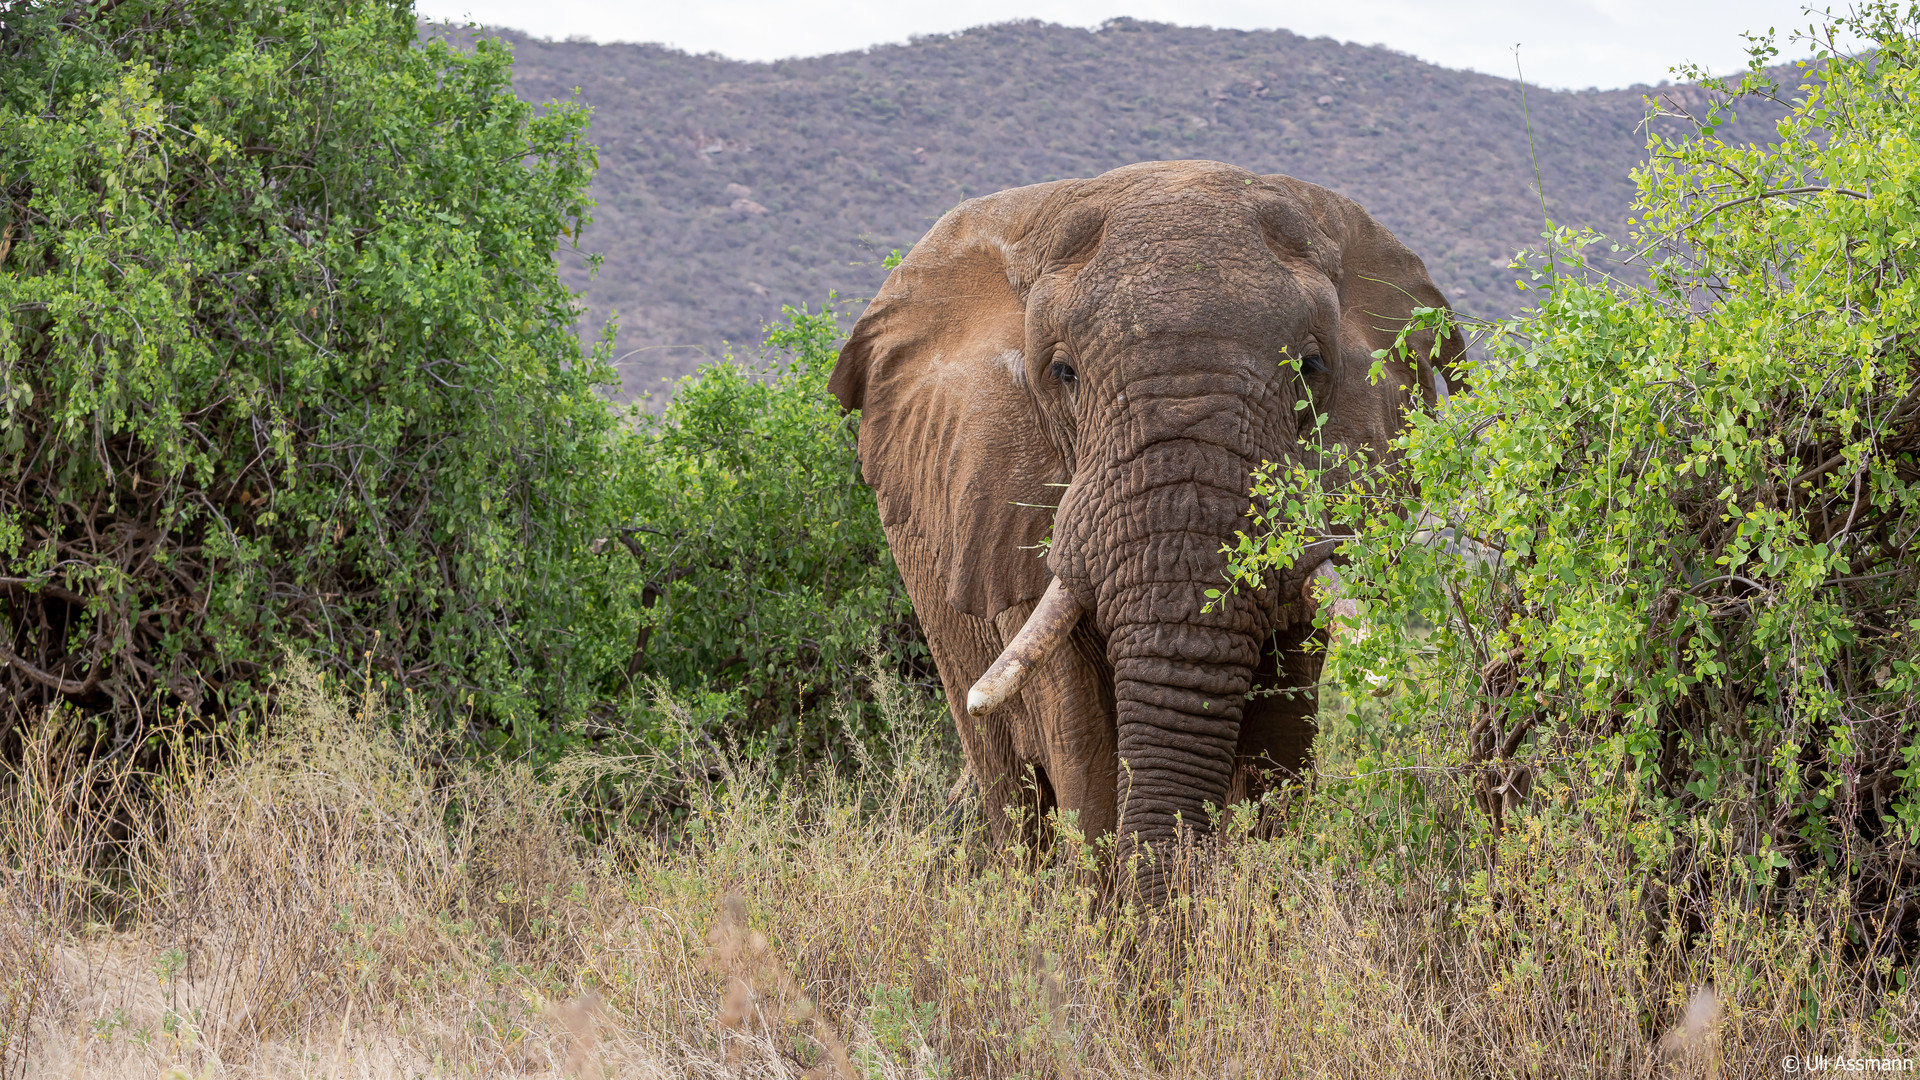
(1069, 699)
(963, 647)
(1278, 726)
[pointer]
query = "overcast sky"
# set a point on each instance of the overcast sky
(1563, 43)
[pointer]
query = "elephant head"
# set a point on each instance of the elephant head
(1129, 347)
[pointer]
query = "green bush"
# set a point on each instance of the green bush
(764, 577)
(1667, 543)
(286, 363)
(287, 366)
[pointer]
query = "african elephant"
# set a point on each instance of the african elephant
(1063, 390)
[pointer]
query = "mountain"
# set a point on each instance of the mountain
(729, 188)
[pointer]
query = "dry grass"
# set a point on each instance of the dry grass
(327, 903)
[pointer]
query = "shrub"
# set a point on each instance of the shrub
(285, 359)
(764, 576)
(287, 366)
(1686, 593)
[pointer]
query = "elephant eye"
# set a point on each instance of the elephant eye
(1064, 372)
(1313, 365)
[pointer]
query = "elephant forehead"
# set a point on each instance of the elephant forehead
(1225, 284)
(1160, 187)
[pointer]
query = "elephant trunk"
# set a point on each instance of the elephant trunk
(1179, 691)
(1141, 547)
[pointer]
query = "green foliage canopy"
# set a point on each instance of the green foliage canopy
(286, 364)
(1698, 502)
(284, 358)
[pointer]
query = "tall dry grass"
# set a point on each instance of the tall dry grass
(334, 900)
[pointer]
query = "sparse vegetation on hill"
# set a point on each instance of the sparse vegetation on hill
(727, 189)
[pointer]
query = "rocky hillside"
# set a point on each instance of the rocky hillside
(729, 188)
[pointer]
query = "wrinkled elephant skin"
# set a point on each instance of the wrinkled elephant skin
(1114, 347)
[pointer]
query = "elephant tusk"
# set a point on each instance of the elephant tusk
(1323, 586)
(1046, 628)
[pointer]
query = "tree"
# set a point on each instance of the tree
(286, 364)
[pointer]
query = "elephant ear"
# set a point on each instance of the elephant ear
(950, 438)
(1380, 282)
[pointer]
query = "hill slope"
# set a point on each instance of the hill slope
(728, 188)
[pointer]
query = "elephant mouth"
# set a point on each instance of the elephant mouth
(1057, 612)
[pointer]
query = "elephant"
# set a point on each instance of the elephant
(1063, 389)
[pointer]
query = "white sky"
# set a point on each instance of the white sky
(1564, 43)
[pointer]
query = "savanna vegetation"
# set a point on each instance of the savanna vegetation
(384, 702)
(288, 372)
